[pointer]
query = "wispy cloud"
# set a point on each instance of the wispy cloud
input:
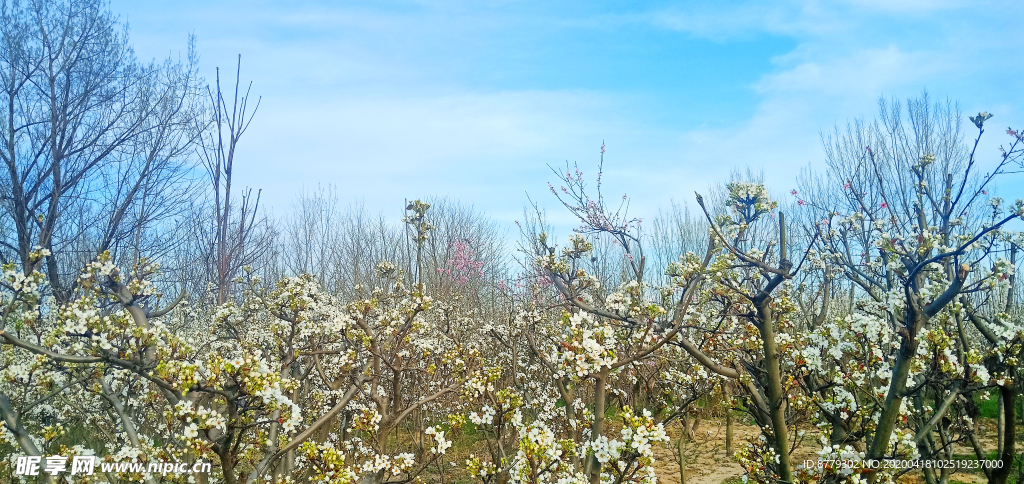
(723, 22)
(864, 72)
(478, 147)
(474, 99)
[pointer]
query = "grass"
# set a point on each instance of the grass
(990, 408)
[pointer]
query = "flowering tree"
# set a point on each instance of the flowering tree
(744, 280)
(915, 231)
(255, 387)
(414, 358)
(628, 326)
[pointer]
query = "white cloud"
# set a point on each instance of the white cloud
(856, 74)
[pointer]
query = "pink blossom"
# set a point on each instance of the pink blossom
(984, 192)
(792, 192)
(602, 148)
(884, 205)
(800, 202)
(847, 185)
(463, 265)
(1011, 132)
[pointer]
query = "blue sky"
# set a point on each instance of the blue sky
(389, 100)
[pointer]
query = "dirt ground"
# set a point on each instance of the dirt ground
(707, 462)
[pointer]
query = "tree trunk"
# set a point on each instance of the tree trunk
(1007, 431)
(776, 395)
(597, 430)
(728, 432)
(682, 460)
(375, 478)
(893, 399)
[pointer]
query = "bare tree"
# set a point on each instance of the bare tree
(91, 139)
(235, 228)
